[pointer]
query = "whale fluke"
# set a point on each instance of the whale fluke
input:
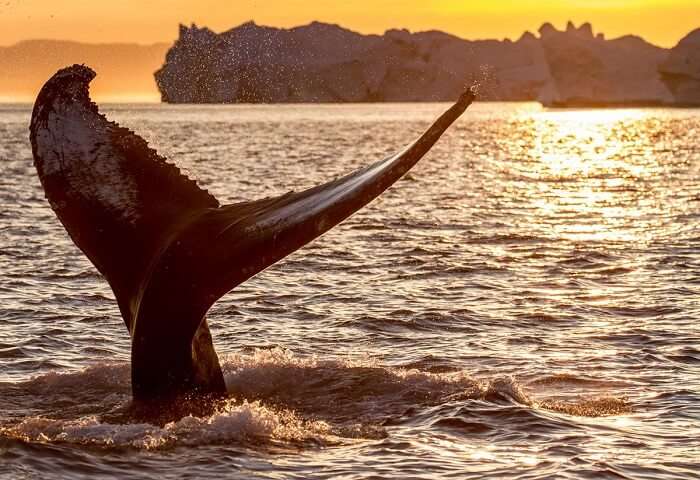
(165, 245)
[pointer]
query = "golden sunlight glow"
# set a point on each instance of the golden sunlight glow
(155, 23)
(587, 129)
(587, 174)
(662, 22)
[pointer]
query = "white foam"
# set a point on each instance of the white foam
(508, 387)
(108, 376)
(232, 423)
(275, 370)
(318, 400)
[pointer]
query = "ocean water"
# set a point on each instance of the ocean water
(524, 304)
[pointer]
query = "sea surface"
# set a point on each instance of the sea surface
(524, 304)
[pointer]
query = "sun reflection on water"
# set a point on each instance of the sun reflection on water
(583, 176)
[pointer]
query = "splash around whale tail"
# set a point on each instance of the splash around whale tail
(165, 245)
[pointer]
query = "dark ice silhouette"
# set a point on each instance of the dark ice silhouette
(328, 63)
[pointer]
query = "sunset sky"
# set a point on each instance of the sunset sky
(662, 22)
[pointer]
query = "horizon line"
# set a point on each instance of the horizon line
(252, 21)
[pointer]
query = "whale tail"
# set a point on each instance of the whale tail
(165, 245)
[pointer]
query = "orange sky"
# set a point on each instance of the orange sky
(662, 22)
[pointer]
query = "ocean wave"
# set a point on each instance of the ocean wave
(276, 397)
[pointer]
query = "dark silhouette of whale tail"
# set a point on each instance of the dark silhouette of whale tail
(165, 245)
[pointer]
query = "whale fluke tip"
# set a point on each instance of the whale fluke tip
(80, 73)
(469, 95)
(66, 85)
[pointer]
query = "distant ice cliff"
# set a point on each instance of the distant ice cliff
(681, 70)
(327, 63)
